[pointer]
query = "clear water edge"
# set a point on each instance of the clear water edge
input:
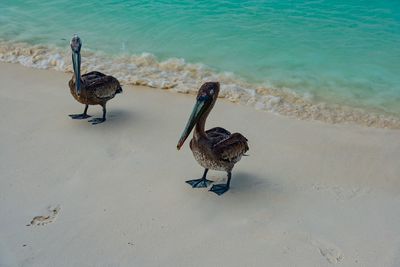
(335, 60)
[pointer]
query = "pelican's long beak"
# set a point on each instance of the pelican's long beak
(197, 111)
(76, 62)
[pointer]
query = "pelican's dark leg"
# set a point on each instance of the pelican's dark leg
(199, 183)
(84, 115)
(219, 189)
(100, 120)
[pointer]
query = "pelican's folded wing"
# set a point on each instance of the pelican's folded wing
(104, 87)
(217, 134)
(231, 148)
(94, 73)
(91, 76)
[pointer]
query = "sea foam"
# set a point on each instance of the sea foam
(179, 76)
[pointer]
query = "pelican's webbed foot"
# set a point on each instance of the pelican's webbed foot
(219, 189)
(97, 120)
(82, 116)
(100, 120)
(200, 183)
(79, 116)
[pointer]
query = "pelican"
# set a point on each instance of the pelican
(216, 148)
(93, 88)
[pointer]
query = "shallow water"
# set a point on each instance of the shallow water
(343, 52)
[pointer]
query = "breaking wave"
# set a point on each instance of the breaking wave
(176, 75)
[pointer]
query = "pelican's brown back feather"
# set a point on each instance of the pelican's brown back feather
(102, 86)
(232, 147)
(217, 134)
(92, 75)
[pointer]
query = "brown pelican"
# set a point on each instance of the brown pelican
(93, 88)
(216, 148)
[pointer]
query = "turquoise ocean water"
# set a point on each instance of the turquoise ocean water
(337, 51)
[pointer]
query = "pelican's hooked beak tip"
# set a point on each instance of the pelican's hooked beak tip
(180, 144)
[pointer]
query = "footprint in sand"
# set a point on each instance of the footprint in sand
(329, 251)
(52, 212)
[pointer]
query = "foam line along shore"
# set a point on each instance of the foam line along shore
(178, 76)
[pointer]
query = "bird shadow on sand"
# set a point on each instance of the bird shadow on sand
(117, 117)
(245, 183)
(246, 193)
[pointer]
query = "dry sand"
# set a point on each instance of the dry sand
(73, 194)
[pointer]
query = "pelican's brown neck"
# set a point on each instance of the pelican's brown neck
(201, 123)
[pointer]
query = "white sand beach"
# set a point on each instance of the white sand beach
(114, 194)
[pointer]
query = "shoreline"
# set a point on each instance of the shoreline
(114, 194)
(177, 76)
